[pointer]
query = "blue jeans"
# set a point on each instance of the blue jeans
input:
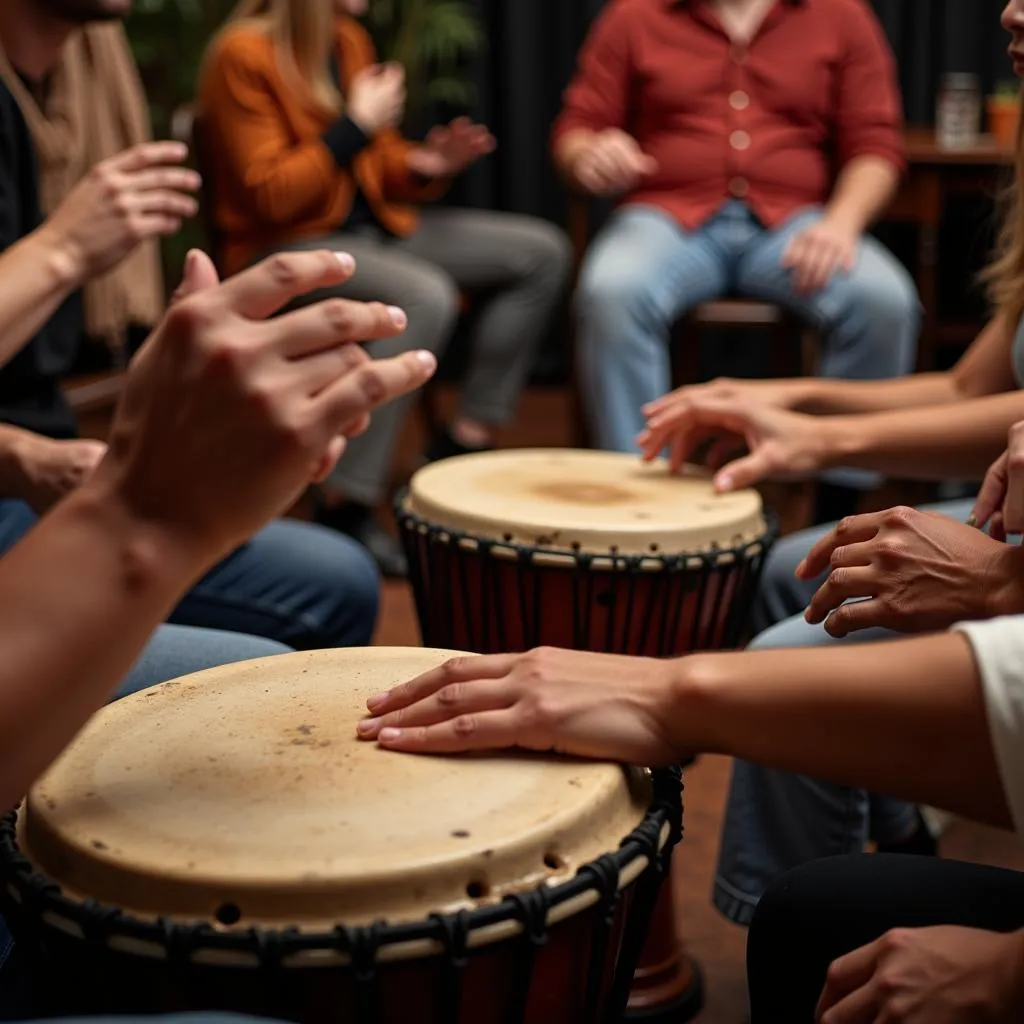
(775, 821)
(293, 583)
(644, 271)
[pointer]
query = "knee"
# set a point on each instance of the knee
(350, 584)
(431, 301)
(611, 296)
(889, 300)
(550, 253)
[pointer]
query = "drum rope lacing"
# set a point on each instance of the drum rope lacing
(30, 900)
(442, 562)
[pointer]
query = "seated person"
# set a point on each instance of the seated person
(293, 583)
(749, 145)
(92, 108)
(936, 719)
(303, 124)
(84, 590)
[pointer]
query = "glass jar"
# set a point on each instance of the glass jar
(958, 112)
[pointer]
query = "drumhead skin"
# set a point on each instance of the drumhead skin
(241, 795)
(562, 499)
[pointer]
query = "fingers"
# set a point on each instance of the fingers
(371, 386)
(488, 730)
(993, 491)
(199, 275)
(335, 450)
(174, 179)
(451, 701)
(744, 472)
(147, 155)
(262, 290)
(842, 585)
(454, 671)
(852, 530)
(847, 974)
(165, 202)
(317, 372)
(997, 527)
(331, 323)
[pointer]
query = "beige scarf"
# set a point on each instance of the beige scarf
(95, 107)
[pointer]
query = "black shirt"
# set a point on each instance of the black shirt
(30, 394)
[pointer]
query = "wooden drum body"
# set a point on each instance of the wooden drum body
(224, 842)
(585, 550)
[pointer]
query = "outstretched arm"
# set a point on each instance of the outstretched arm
(906, 718)
(224, 421)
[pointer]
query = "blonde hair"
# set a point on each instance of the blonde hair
(303, 31)
(1004, 277)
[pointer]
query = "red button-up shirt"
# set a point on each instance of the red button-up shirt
(769, 123)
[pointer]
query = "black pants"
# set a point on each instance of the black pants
(831, 907)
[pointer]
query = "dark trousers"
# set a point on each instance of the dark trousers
(830, 907)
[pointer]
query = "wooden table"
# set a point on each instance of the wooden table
(935, 175)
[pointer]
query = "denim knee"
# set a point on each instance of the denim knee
(350, 584)
(891, 312)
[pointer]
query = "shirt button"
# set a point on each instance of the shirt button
(739, 187)
(739, 100)
(739, 140)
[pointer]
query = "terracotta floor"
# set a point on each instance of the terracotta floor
(718, 945)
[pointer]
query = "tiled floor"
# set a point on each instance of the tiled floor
(717, 945)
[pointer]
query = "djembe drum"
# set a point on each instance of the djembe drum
(593, 551)
(224, 842)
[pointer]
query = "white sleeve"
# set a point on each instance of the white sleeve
(998, 646)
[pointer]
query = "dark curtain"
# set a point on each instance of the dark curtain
(532, 50)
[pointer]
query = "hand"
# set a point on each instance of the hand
(928, 976)
(46, 470)
(781, 444)
(376, 97)
(449, 150)
(229, 411)
(139, 194)
(818, 252)
(1000, 502)
(612, 164)
(665, 413)
(918, 571)
(589, 705)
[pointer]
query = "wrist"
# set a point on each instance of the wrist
(155, 554)
(845, 220)
(1002, 592)
(59, 258)
(840, 441)
(693, 691)
(16, 448)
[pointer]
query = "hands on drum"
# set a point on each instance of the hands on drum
(571, 702)
(910, 571)
(728, 416)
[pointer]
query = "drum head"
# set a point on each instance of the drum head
(241, 795)
(562, 499)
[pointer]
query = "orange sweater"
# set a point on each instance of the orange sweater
(270, 177)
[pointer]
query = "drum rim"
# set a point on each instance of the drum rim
(714, 557)
(30, 888)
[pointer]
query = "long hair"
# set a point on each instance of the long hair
(304, 33)
(1004, 277)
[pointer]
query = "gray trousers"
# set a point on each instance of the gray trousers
(516, 269)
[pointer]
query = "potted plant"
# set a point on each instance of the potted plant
(1004, 114)
(431, 39)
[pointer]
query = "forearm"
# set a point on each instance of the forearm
(947, 442)
(35, 278)
(905, 718)
(865, 188)
(80, 596)
(829, 397)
